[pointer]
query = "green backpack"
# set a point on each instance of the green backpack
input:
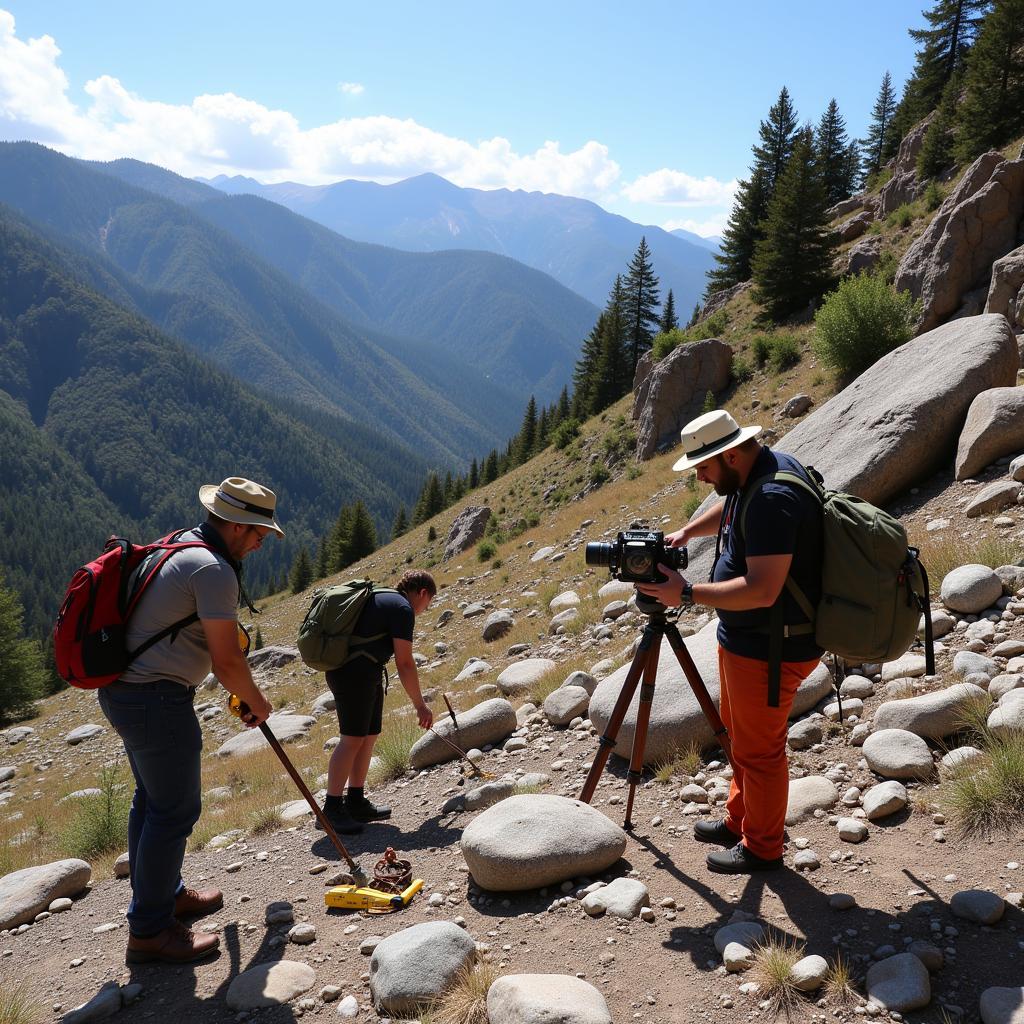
(326, 636)
(874, 588)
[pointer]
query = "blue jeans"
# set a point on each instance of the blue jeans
(163, 741)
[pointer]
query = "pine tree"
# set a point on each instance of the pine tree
(831, 145)
(792, 264)
(992, 109)
(257, 640)
(363, 538)
(337, 544)
(543, 429)
(936, 153)
(22, 673)
(669, 320)
(613, 376)
(742, 231)
(881, 116)
(474, 476)
(401, 523)
(942, 48)
(302, 572)
(323, 561)
(584, 376)
(640, 301)
(526, 440)
(564, 408)
(777, 134)
(431, 500)
(490, 470)
(448, 491)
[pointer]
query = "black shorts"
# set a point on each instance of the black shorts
(359, 699)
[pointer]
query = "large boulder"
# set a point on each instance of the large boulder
(1005, 293)
(862, 256)
(676, 717)
(521, 675)
(997, 496)
(807, 795)
(467, 529)
(910, 147)
(970, 589)
(673, 392)
(534, 840)
(272, 657)
(410, 969)
(545, 999)
(898, 754)
(899, 983)
(270, 984)
(994, 427)
(564, 704)
(28, 892)
(287, 728)
(718, 300)
(902, 188)
(931, 715)
(975, 226)
(877, 441)
(489, 722)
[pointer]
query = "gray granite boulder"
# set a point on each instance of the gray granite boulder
(1008, 715)
(970, 589)
(491, 721)
(530, 841)
(968, 663)
(566, 703)
(497, 624)
(562, 602)
(995, 497)
(1000, 1005)
(270, 984)
(82, 733)
(287, 728)
(273, 656)
(877, 441)
(807, 795)
(898, 754)
(622, 897)
(29, 891)
(994, 427)
(412, 967)
(977, 905)
(884, 799)
(676, 718)
(899, 983)
(931, 715)
(545, 999)
(521, 675)
(467, 529)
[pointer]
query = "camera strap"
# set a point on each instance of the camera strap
(724, 525)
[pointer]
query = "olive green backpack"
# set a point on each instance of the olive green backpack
(326, 636)
(874, 588)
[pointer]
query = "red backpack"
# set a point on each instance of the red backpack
(89, 636)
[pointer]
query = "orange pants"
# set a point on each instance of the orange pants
(756, 809)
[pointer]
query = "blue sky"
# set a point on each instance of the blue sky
(650, 112)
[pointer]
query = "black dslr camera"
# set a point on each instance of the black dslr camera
(634, 556)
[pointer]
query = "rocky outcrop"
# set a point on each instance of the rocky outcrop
(673, 392)
(976, 225)
(721, 299)
(910, 147)
(846, 206)
(467, 529)
(854, 227)
(862, 256)
(903, 187)
(1006, 289)
(994, 427)
(876, 440)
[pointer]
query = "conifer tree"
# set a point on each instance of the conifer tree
(474, 476)
(792, 264)
(613, 375)
(777, 134)
(431, 500)
(564, 409)
(942, 48)
(639, 304)
(526, 440)
(363, 538)
(337, 545)
(302, 572)
(22, 673)
(878, 130)
(741, 233)
(257, 640)
(669, 320)
(448, 491)
(490, 470)
(992, 109)
(323, 560)
(543, 429)
(831, 145)
(584, 376)
(936, 153)
(401, 523)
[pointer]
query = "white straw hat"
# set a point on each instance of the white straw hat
(241, 501)
(709, 435)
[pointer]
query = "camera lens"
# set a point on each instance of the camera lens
(638, 564)
(599, 553)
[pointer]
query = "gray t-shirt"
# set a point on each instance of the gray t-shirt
(194, 580)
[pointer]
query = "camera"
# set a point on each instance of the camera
(635, 554)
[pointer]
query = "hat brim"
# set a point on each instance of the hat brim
(208, 499)
(746, 433)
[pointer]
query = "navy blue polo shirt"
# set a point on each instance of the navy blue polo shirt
(389, 613)
(781, 519)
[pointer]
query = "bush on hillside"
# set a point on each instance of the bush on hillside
(711, 327)
(565, 433)
(862, 320)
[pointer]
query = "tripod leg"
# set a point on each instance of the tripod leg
(643, 717)
(649, 643)
(700, 691)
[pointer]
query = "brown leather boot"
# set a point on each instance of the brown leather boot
(174, 945)
(190, 903)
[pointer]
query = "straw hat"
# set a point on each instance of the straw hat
(710, 435)
(241, 501)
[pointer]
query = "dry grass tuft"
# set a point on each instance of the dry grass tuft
(16, 1007)
(466, 1001)
(987, 794)
(684, 760)
(839, 985)
(774, 960)
(942, 554)
(396, 740)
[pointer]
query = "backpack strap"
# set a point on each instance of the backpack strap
(777, 629)
(357, 640)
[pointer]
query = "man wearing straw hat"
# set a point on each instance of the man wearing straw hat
(150, 707)
(780, 537)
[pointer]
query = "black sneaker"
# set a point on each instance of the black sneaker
(714, 832)
(740, 861)
(366, 810)
(341, 821)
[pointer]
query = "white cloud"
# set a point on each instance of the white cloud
(676, 188)
(352, 88)
(704, 228)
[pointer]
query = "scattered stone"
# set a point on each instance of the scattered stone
(969, 663)
(884, 799)
(348, 1008)
(806, 860)
(898, 754)
(583, 679)
(899, 983)
(622, 897)
(122, 866)
(29, 891)
(82, 733)
(270, 984)
(931, 715)
(746, 933)
(931, 956)
(852, 830)
(272, 657)
(287, 728)
(1002, 1005)
(842, 901)
(521, 675)
(302, 934)
(959, 757)
(805, 733)
(810, 973)
(545, 999)
(566, 703)
(971, 589)
(994, 498)
(497, 625)
(977, 905)
(814, 792)
(279, 912)
(108, 1001)
(736, 957)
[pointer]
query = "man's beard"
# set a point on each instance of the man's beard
(729, 482)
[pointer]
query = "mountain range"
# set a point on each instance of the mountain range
(574, 240)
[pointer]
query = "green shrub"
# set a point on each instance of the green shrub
(396, 740)
(761, 349)
(485, 551)
(741, 370)
(599, 474)
(634, 472)
(565, 432)
(933, 196)
(99, 824)
(432, 533)
(862, 320)
(901, 217)
(783, 352)
(709, 402)
(711, 327)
